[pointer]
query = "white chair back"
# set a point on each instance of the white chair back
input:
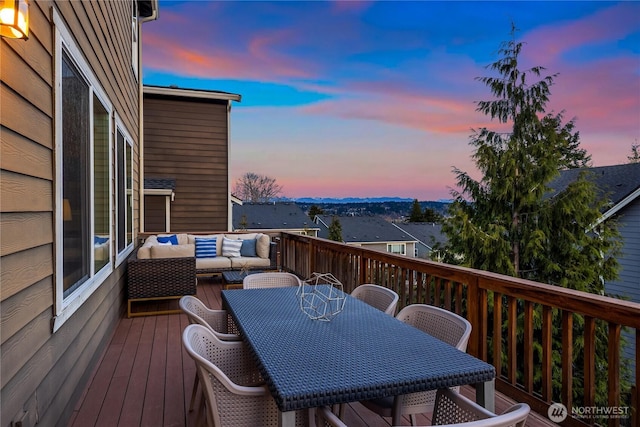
(218, 321)
(437, 322)
(234, 390)
(384, 299)
(270, 280)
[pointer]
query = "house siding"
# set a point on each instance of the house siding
(187, 140)
(44, 372)
(628, 283)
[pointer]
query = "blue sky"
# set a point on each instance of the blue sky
(377, 98)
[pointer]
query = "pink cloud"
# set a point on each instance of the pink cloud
(435, 115)
(552, 41)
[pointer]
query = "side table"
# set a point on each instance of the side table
(232, 279)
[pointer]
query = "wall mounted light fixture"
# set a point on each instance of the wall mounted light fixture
(14, 19)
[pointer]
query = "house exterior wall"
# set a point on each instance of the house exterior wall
(44, 371)
(382, 246)
(187, 140)
(628, 283)
(155, 210)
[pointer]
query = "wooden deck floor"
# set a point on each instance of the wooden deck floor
(145, 378)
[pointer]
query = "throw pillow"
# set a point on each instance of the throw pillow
(248, 248)
(205, 248)
(231, 248)
(173, 239)
(97, 240)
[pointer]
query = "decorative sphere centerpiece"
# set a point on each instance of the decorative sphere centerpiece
(321, 296)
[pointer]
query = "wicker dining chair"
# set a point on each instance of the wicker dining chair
(439, 323)
(453, 409)
(235, 393)
(384, 299)
(218, 321)
(270, 280)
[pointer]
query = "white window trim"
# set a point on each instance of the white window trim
(402, 245)
(64, 308)
(122, 256)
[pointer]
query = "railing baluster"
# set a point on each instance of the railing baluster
(567, 358)
(421, 285)
(459, 297)
(613, 359)
(589, 361)
(528, 347)
(497, 333)
(512, 359)
(428, 299)
(547, 353)
(447, 294)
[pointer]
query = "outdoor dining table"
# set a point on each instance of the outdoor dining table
(361, 354)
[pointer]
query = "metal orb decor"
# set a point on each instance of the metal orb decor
(321, 297)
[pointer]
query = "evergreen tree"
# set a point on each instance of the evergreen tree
(335, 230)
(431, 215)
(315, 210)
(510, 221)
(416, 214)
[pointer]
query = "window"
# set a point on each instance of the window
(124, 190)
(83, 179)
(396, 248)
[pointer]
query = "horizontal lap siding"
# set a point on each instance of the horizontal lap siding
(628, 283)
(186, 140)
(42, 372)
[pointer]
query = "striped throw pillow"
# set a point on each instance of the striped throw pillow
(231, 248)
(205, 248)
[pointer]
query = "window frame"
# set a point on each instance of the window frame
(65, 307)
(402, 246)
(121, 256)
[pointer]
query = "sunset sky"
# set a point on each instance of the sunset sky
(377, 98)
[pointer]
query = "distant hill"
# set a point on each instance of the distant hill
(391, 208)
(332, 200)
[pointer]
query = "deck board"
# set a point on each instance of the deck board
(145, 377)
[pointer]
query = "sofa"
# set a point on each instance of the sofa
(254, 252)
(166, 265)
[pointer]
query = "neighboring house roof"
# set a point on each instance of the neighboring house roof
(190, 93)
(426, 233)
(359, 229)
(159, 184)
(621, 183)
(271, 216)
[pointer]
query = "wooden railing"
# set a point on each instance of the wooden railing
(529, 331)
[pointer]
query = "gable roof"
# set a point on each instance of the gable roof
(271, 216)
(621, 183)
(159, 184)
(426, 233)
(202, 94)
(356, 229)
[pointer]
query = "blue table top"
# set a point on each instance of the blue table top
(361, 354)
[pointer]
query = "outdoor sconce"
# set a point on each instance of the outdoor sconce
(14, 19)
